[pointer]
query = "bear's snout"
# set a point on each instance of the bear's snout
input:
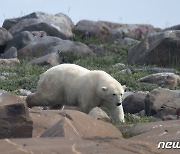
(118, 104)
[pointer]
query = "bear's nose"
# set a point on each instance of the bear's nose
(118, 104)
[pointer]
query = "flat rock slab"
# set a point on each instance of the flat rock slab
(166, 131)
(77, 124)
(78, 146)
(153, 131)
(43, 119)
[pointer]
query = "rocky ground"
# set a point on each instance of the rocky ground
(144, 58)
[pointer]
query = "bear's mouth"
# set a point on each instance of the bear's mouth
(118, 104)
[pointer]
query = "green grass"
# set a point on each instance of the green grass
(23, 77)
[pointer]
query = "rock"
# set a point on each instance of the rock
(49, 44)
(126, 42)
(176, 27)
(24, 92)
(43, 119)
(159, 49)
(127, 93)
(10, 53)
(99, 114)
(126, 71)
(170, 79)
(162, 100)
(158, 131)
(14, 117)
(65, 18)
(133, 31)
(98, 49)
(119, 65)
(9, 62)
(58, 18)
(52, 59)
(108, 31)
(58, 26)
(155, 70)
(5, 37)
(76, 124)
(94, 145)
(134, 103)
(88, 28)
(24, 38)
(142, 129)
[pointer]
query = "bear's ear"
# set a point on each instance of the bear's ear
(104, 88)
(124, 87)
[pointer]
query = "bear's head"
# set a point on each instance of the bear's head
(112, 94)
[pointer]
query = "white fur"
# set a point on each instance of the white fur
(73, 85)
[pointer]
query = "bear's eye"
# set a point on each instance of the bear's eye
(114, 94)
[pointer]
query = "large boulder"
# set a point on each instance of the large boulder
(51, 59)
(176, 27)
(5, 37)
(162, 100)
(48, 44)
(75, 124)
(54, 25)
(24, 38)
(14, 117)
(88, 28)
(157, 49)
(134, 103)
(168, 79)
(108, 31)
(58, 18)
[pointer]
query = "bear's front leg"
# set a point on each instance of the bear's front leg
(117, 113)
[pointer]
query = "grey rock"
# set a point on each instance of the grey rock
(134, 103)
(108, 31)
(10, 53)
(61, 23)
(24, 38)
(161, 102)
(39, 25)
(5, 36)
(119, 65)
(52, 59)
(126, 71)
(157, 49)
(48, 44)
(126, 42)
(176, 27)
(162, 79)
(24, 92)
(155, 70)
(99, 114)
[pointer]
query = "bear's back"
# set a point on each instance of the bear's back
(68, 69)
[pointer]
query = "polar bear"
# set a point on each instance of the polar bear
(73, 85)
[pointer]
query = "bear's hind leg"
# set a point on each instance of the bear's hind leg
(36, 99)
